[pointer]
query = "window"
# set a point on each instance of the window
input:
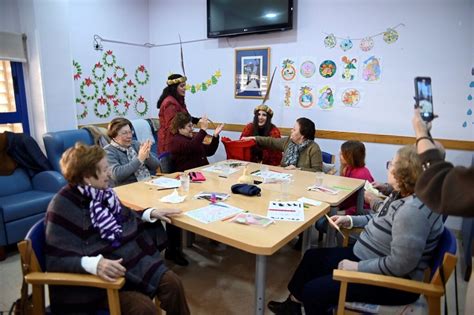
(13, 110)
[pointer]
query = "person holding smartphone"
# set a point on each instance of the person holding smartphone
(443, 187)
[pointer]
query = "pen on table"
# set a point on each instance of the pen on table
(341, 187)
(166, 188)
(218, 204)
(276, 171)
(255, 172)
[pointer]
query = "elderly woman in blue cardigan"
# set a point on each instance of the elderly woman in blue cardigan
(88, 230)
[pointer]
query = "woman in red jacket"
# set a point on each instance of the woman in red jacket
(170, 103)
(262, 126)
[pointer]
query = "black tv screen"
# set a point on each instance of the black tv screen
(238, 17)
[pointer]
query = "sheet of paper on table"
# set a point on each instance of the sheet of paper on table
(214, 212)
(286, 210)
(164, 182)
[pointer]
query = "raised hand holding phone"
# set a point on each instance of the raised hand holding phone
(424, 98)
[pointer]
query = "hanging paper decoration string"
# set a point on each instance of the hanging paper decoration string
(77, 70)
(143, 103)
(327, 69)
(330, 41)
(130, 90)
(84, 113)
(288, 70)
(117, 103)
(102, 102)
(107, 91)
(205, 85)
(141, 75)
(366, 44)
(98, 72)
(89, 89)
(346, 44)
(109, 58)
(119, 73)
(390, 36)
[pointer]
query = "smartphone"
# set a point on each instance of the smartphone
(424, 97)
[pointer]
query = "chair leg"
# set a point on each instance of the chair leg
(38, 300)
(3, 253)
(342, 298)
(158, 306)
(114, 302)
(434, 305)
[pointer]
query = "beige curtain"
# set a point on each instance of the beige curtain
(13, 47)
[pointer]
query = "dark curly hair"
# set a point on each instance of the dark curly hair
(171, 90)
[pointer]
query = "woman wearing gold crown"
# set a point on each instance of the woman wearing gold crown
(262, 126)
(170, 103)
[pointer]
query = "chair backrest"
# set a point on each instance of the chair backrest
(59, 141)
(37, 238)
(328, 158)
(166, 163)
(15, 183)
(446, 244)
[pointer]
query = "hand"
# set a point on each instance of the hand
(341, 220)
(144, 151)
(291, 167)
(369, 197)
(204, 122)
(218, 130)
(164, 214)
(110, 270)
(421, 127)
(247, 138)
(347, 264)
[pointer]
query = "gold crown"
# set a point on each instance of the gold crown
(176, 81)
(265, 108)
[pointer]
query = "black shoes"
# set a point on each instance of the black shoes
(288, 307)
(176, 256)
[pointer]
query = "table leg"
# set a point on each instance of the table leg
(331, 235)
(190, 236)
(306, 240)
(260, 278)
(360, 201)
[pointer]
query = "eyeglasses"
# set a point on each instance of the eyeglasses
(126, 132)
(389, 164)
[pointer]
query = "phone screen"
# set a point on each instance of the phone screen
(424, 97)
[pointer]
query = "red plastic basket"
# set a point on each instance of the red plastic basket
(238, 149)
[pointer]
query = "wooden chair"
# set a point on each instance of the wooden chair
(444, 261)
(33, 265)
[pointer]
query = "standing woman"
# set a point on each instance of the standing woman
(170, 103)
(262, 126)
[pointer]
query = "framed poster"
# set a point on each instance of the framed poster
(252, 72)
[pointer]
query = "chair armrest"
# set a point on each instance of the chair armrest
(73, 279)
(51, 181)
(348, 232)
(413, 286)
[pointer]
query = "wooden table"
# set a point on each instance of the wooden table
(302, 179)
(256, 240)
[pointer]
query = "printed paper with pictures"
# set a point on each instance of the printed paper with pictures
(349, 67)
(326, 97)
(371, 69)
(306, 97)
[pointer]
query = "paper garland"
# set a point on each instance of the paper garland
(130, 95)
(100, 67)
(141, 100)
(110, 82)
(142, 71)
(88, 83)
(390, 36)
(106, 59)
(204, 86)
(117, 103)
(102, 101)
(120, 74)
(77, 70)
(85, 109)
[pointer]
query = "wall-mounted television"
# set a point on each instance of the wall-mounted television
(239, 17)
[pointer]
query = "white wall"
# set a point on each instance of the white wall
(121, 20)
